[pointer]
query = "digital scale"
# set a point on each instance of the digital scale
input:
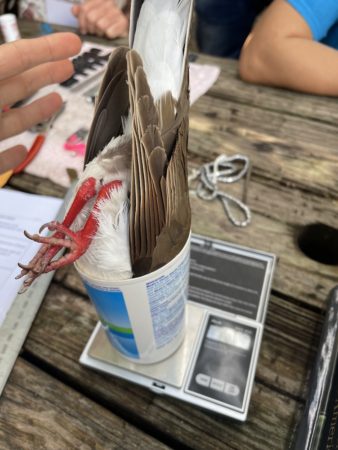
(214, 368)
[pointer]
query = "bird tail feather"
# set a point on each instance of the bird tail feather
(160, 39)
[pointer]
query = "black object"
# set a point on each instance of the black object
(85, 62)
(11, 6)
(221, 369)
(260, 5)
(319, 242)
(321, 407)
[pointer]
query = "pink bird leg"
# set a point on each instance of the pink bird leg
(77, 242)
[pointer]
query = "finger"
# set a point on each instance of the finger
(89, 5)
(108, 20)
(84, 10)
(82, 22)
(99, 32)
(17, 120)
(118, 29)
(94, 15)
(76, 10)
(94, 10)
(24, 85)
(11, 158)
(24, 54)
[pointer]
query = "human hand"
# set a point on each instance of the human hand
(101, 17)
(27, 65)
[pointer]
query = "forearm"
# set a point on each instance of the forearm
(291, 62)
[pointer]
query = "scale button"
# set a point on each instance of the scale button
(202, 379)
(231, 389)
(217, 384)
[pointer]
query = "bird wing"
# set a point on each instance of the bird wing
(160, 215)
(149, 160)
(176, 229)
(112, 104)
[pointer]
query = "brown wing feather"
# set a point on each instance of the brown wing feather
(112, 104)
(160, 218)
(176, 230)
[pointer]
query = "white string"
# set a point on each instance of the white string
(224, 170)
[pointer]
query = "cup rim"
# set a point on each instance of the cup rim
(4, 17)
(130, 281)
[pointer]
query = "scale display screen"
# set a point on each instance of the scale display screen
(221, 368)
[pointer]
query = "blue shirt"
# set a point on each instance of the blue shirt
(322, 18)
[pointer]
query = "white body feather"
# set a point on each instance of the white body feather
(160, 40)
(107, 257)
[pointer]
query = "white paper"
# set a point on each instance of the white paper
(59, 12)
(19, 212)
(202, 77)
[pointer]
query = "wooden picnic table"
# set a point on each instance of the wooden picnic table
(53, 402)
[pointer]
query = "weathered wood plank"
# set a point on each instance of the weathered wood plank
(36, 185)
(271, 126)
(272, 151)
(230, 87)
(311, 281)
(278, 215)
(66, 321)
(312, 289)
(290, 150)
(248, 128)
(288, 327)
(289, 345)
(39, 412)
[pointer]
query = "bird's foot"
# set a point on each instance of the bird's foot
(76, 242)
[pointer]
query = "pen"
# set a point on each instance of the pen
(309, 431)
(37, 144)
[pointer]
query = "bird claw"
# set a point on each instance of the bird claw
(28, 281)
(42, 262)
(76, 242)
(44, 226)
(39, 264)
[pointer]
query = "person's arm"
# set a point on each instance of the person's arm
(103, 18)
(281, 51)
(27, 65)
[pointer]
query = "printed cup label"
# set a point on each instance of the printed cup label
(113, 314)
(145, 319)
(167, 296)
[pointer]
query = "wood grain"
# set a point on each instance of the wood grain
(230, 87)
(51, 401)
(66, 320)
(39, 412)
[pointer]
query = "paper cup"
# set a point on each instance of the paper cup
(144, 317)
(9, 27)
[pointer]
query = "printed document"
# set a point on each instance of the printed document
(18, 212)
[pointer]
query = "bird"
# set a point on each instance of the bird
(130, 213)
